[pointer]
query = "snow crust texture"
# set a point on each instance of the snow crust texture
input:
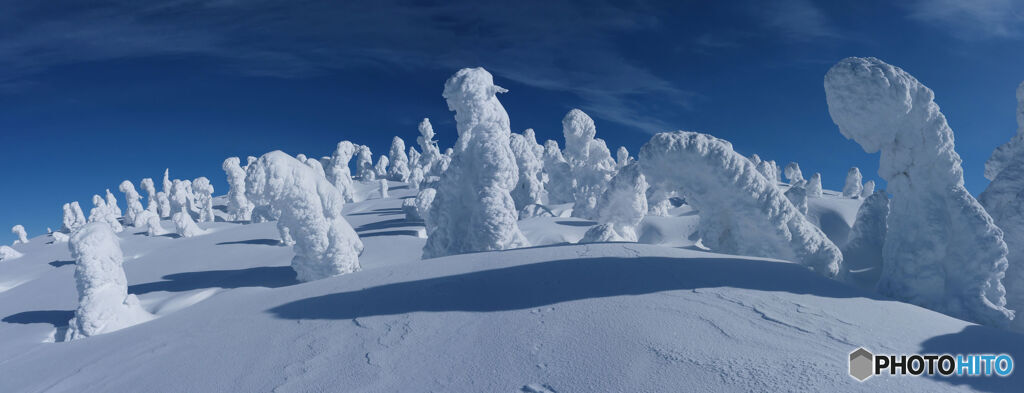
(942, 250)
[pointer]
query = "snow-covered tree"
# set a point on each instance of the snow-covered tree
(658, 202)
(621, 207)
(104, 304)
(383, 188)
(340, 175)
(153, 227)
(364, 164)
(769, 170)
(184, 225)
(531, 140)
(942, 250)
(239, 207)
(741, 212)
(621, 157)
(591, 162)
(862, 253)
(310, 210)
(431, 153)
(869, 188)
(102, 213)
(853, 186)
(398, 169)
(559, 174)
(473, 209)
(204, 198)
(528, 189)
(381, 168)
(416, 178)
(814, 185)
(797, 195)
(1008, 151)
(150, 189)
(133, 203)
(425, 199)
(164, 204)
(414, 159)
(167, 184)
(112, 204)
(181, 195)
(19, 231)
(793, 174)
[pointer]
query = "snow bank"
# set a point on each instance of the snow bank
(852, 188)
(104, 304)
(862, 253)
(239, 207)
(473, 209)
(19, 231)
(1007, 152)
(528, 189)
(310, 210)
(942, 250)
(742, 212)
(399, 168)
(591, 162)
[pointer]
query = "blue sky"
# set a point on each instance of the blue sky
(92, 93)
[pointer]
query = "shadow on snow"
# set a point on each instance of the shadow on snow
(264, 276)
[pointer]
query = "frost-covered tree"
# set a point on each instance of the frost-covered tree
(528, 189)
(19, 231)
(383, 188)
(1008, 151)
(862, 253)
(1003, 200)
(315, 165)
(204, 198)
(431, 153)
(150, 189)
(381, 168)
(164, 204)
(591, 162)
(621, 157)
(153, 227)
(398, 169)
(364, 164)
(658, 202)
(133, 203)
(310, 210)
(869, 188)
(853, 187)
(814, 185)
(424, 199)
(102, 213)
(741, 211)
(942, 250)
(559, 174)
(112, 204)
(414, 159)
(104, 304)
(184, 225)
(167, 184)
(68, 221)
(180, 196)
(621, 207)
(769, 170)
(340, 175)
(473, 209)
(793, 174)
(416, 177)
(797, 195)
(531, 140)
(239, 207)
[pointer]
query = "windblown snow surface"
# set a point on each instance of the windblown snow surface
(556, 317)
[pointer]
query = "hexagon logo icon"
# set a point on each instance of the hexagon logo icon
(860, 364)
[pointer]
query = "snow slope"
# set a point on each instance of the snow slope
(555, 317)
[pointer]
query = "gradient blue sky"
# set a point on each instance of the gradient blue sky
(92, 93)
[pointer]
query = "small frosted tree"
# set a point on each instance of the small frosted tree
(591, 162)
(424, 199)
(133, 202)
(431, 153)
(528, 189)
(531, 140)
(797, 195)
(416, 178)
(310, 210)
(153, 226)
(473, 209)
(102, 213)
(340, 175)
(925, 262)
(164, 204)
(167, 184)
(381, 168)
(621, 208)
(741, 212)
(383, 188)
(621, 158)
(150, 189)
(112, 204)
(398, 170)
(184, 225)
(862, 253)
(869, 188)
(769, 170)
(559, 174)
(853, 186)
(814, 186)
(19, 231)
(204, 198)
(104, 304)
(1007, 152)
(239, 207)
(793, 174)
(69, 222)
(364, 164)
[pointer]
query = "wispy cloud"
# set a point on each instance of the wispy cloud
(797, 20)
(974, 19)
(549, 44)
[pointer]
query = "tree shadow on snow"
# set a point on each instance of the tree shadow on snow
(61, 263)
(576, 223)
(264, 276)
(262, 242)
(389, 211)
(975, 339)
(390, 233)
(545, 283)
(388, 224)
(57, 318)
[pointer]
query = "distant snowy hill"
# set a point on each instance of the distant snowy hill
(555, 317)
